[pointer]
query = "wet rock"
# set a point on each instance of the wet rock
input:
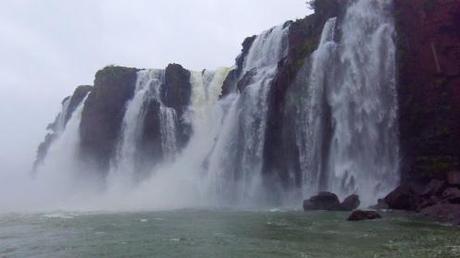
(446, 212)
(364, 215)
(405, 197)
(435, 187)
(103, 114)
(350, 203)
(451, 195)
(323, 201)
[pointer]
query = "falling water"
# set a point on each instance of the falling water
(147, 89)
(312, 123)
(60, 165)
(236, 160)
(353, 105)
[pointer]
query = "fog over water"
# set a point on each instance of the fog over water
(50, 47)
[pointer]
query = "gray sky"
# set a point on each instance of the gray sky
(48, 47)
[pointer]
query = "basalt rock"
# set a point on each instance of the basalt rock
(350, 203)
(323, 201)
(103, 115)
(359, 215)
(176, 93)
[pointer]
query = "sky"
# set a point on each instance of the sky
(48, 47)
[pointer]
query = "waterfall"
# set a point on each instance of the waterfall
(61, 165)
(352, 109)
(235, 162)
(61, 119)
(168, 120)
(311, 125)
(125, 165)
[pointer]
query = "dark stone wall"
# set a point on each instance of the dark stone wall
(103, 115)
(429, 87)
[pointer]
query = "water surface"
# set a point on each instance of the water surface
(205, 233)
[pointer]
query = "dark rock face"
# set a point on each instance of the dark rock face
(232, 78)
(359, 215)
(77, 97)
(350, 203)
(103, 115)
(323, 201)
(176, 93)
(405, 197)
(429, 87)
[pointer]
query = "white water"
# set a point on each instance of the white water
(124, 166)
(235, 163)
(347, 130)
(358, 88)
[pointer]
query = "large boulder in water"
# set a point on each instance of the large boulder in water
(364, 215)
(323, 201)
(350, 203)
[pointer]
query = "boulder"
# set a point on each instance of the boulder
(358, 215)
(322, 201)
(350, 203)
(451, 195)
(446, 212)
(405, 197)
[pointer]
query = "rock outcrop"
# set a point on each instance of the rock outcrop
(103, 115)
(330, 202)
(359, 215)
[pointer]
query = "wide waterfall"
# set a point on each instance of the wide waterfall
(208, 148)
(352, 106)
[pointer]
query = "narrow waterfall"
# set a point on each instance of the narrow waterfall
(60, 165)
(312, 121)
(61, 119)
(352, 109)
(236, 160)
(126, 165)
(168, 120)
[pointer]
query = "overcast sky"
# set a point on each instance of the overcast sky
(48, 47)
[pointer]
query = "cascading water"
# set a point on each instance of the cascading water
(60, 165)
(312, 122)
(235, 162)
(352, 122)
(147, 89)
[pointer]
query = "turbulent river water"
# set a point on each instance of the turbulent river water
(222, 233)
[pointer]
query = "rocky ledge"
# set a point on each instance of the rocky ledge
(438, 199)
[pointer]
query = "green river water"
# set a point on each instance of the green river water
(222, 233)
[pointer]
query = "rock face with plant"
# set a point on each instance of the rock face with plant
(429, 106)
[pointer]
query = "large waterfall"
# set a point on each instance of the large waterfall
(352, 106)
(345, 125)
